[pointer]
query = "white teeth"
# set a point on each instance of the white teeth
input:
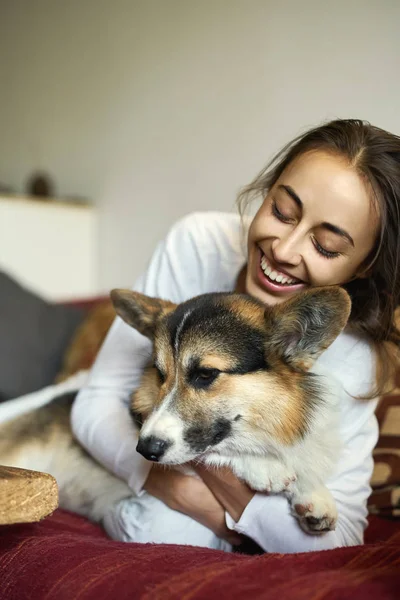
(274, 275)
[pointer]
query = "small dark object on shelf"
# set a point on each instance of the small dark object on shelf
(40, 184)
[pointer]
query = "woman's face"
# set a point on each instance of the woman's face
(316, 227)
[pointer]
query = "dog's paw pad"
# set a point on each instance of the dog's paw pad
(321, 524)
(302, 509)
(317, 515)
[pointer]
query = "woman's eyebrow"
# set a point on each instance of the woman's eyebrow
(334, 228)
(290, 191)
(339, 231)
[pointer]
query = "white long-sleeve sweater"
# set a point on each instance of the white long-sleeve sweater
(202, 253)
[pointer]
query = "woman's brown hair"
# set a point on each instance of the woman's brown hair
(375, 154)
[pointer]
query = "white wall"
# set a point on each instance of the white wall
(155, 108)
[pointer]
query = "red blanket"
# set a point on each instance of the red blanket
(67, 558)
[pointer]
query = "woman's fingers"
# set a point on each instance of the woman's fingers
(232, 493)
(192, 497)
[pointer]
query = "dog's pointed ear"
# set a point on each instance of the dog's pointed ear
(139, 311)
(304, 326)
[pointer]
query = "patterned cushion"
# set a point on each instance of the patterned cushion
(385, 498)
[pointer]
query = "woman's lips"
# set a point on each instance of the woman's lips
(273, 286)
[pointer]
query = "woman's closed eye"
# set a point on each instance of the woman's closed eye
(279, 215)
(318, 247)
(323, 251)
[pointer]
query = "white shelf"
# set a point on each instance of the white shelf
(50, 246)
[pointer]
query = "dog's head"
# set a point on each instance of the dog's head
(229, 375)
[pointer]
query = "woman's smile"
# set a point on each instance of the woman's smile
(275, 279)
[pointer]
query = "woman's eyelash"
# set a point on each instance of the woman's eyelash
(325, 253)
(277, 213)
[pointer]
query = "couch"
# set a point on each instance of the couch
(64, 557)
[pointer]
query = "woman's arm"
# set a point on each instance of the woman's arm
(196, 257)
(100, 415)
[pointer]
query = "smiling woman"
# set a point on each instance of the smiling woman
(329, 215)
(305, 229)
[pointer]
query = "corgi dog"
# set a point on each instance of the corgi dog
(230, 382)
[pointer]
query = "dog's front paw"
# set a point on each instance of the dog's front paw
(272, 477)
(316, 511)
(279, 483)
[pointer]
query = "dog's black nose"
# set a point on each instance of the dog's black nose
(152, 447)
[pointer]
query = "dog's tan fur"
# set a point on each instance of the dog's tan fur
(87, 340)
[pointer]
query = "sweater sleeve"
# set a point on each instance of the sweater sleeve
(267, 519)
(100, 418)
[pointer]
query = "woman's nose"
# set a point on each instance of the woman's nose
(286, 251)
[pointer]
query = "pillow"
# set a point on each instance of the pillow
(33, 338)
(385, 498)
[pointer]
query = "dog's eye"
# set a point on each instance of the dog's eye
(202, 378)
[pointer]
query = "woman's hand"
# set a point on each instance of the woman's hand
(192, 497)
(231, 492)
